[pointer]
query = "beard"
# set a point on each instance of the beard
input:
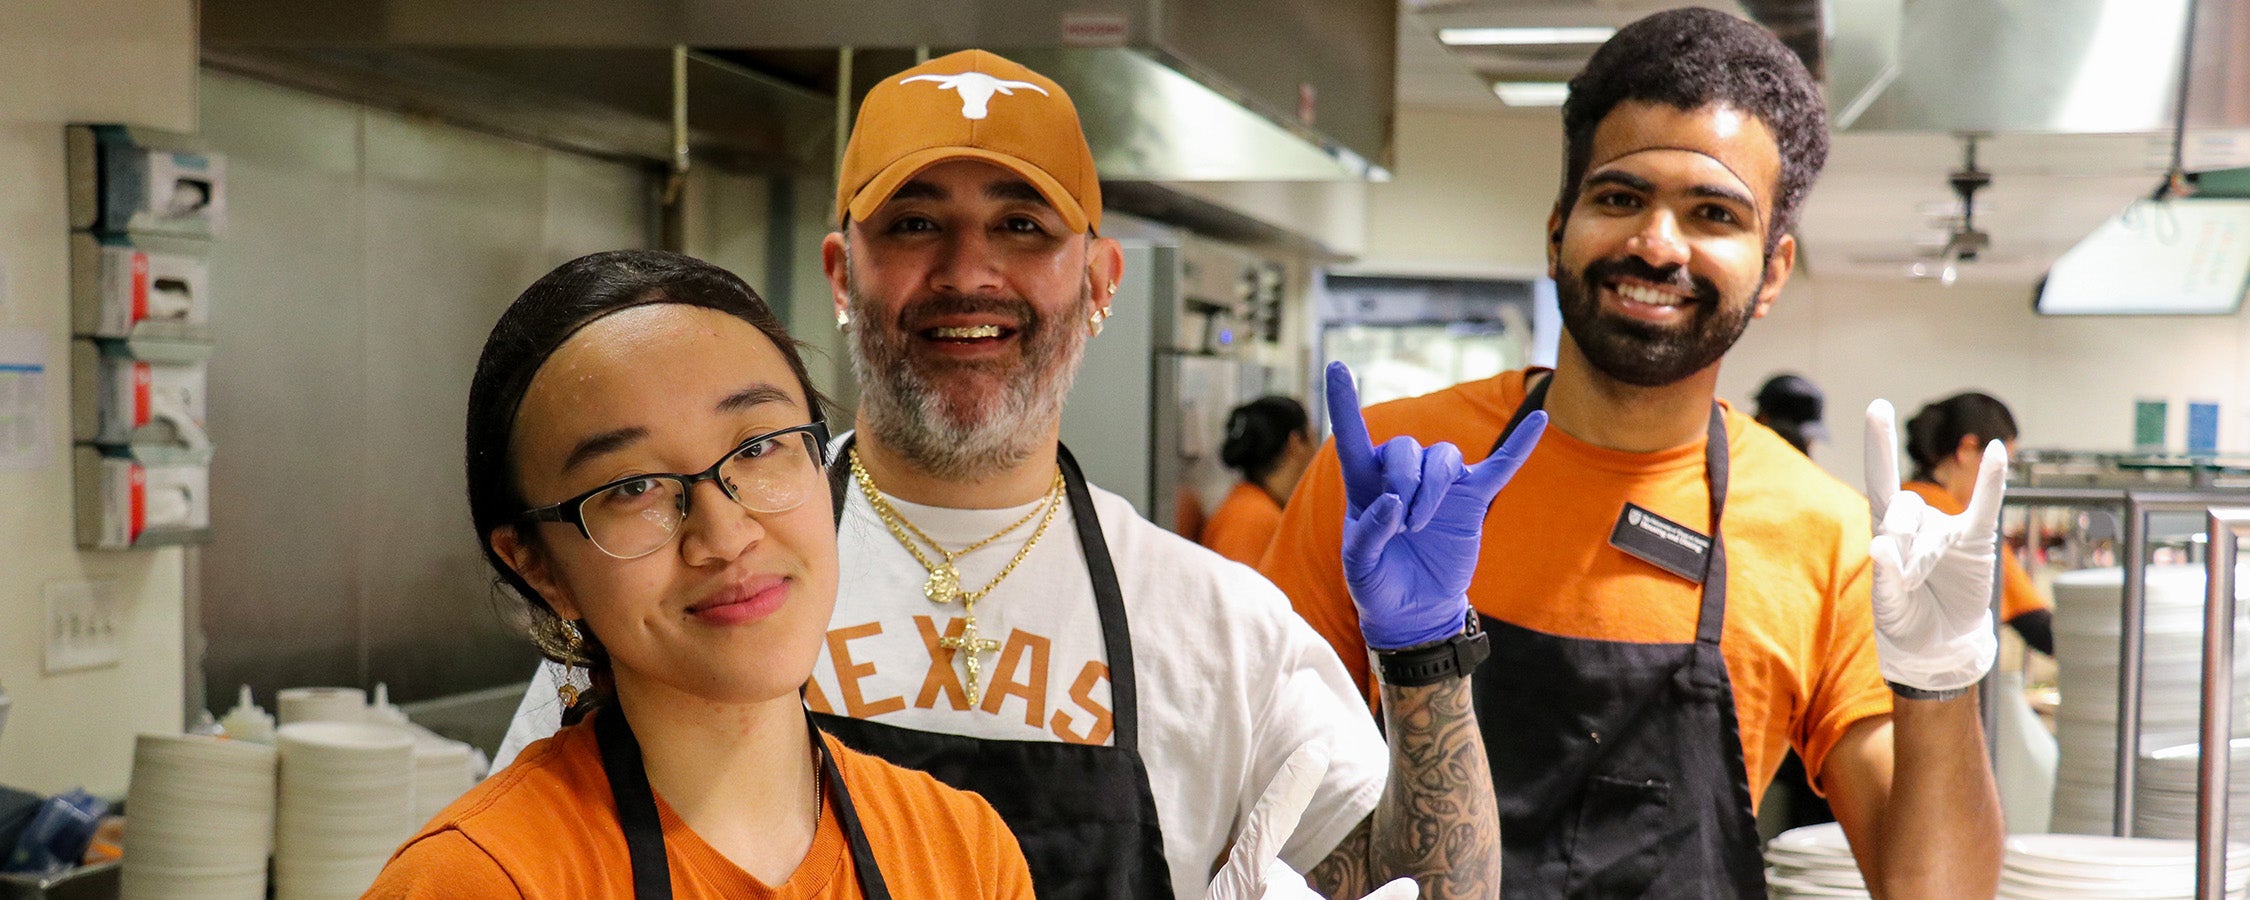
(965, 420)
(1639, 353)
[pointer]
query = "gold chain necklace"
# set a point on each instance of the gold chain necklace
(944, 583)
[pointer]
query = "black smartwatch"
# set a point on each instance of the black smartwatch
(1454, 657)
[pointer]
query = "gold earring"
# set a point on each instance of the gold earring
(573, 646)
(843, 318)
(1100, 313)
(1113, 289)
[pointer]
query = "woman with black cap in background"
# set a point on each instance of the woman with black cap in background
(1945, 440)
(1269, 441)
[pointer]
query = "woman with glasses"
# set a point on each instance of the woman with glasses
(645, 470)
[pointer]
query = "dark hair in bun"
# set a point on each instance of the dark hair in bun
(1934, 433)
(1258, 431)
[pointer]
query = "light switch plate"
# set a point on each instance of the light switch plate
(84, 626)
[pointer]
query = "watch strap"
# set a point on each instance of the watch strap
(1454, 657)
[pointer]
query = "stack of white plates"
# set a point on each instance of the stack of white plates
(441, 774)
(1813, 861)
(2086, 611)
(203, 813)
(320, 704)
(2164, 797)
(2093, 867)
(347, 802)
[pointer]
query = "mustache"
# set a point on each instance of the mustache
(1601, 272)
(923, 313)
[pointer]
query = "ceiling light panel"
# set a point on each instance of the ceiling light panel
(1531, 93)
(1521, 37)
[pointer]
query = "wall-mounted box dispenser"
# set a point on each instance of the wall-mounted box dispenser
(139, 286)
(142, 496)
(139, 392)
(135, 180)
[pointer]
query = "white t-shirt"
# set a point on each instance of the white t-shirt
(1231, 680)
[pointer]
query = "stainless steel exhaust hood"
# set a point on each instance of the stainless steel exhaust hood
(2040, 66)
(1170, 90)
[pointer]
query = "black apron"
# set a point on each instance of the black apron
(644, 834)
(1618, 766)
(1083, 814)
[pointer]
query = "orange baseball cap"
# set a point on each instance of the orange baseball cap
(970, 105)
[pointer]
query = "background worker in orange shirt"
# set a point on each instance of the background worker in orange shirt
(1943, 440)
(1269, 441)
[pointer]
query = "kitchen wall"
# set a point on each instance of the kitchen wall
(366, 258)
(130, 61)
(2071, 382)
(1469, 195)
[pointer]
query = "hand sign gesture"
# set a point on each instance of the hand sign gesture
(1413, 520)
(1933, 572)
(1254, 870)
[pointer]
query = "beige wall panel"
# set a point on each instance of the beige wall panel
(127, 61)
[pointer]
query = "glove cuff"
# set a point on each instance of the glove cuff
(1950, 665)
(1399, 634)
(1914, 693)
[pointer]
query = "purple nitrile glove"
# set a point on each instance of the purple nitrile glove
(1413, 520)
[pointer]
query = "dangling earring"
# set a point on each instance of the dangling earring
(843, 318)
(1095, 320)
(574, 648)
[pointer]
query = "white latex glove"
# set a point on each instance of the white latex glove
(1933, 572)
(1254, 870)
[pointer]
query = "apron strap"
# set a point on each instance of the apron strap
(644, 830)
(636, 804)
(1710, 618)
(1109, 603)
(871, 885)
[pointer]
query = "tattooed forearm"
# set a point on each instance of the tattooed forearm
(1344, 874)
(1437, 821)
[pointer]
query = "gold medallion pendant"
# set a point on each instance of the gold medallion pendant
(943, 585)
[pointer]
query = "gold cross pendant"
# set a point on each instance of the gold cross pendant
(976, 647)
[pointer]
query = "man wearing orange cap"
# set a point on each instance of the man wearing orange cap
(1128, 701)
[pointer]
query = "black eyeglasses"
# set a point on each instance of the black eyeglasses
(633, 517)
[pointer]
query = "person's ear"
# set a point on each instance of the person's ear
(837, 264)
(1555, 222)
(1970, 452)
(1105, 270)
(531, 565)
(1779, 263)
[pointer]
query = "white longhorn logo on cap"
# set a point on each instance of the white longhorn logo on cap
(976, 90)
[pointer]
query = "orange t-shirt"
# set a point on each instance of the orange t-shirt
(1799, 634)
(546, 826)
(2018, 595)
(1244, 524)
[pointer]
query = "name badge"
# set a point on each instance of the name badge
(1662, 543)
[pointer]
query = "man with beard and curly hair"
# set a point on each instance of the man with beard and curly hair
(1649, 666)
(1128, 701)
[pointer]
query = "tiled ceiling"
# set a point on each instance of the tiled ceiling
(1884, 197)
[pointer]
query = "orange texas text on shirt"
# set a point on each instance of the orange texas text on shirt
(1020, 673)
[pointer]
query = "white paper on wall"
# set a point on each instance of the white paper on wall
(24, 416)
